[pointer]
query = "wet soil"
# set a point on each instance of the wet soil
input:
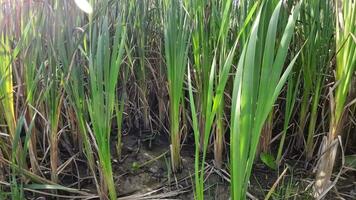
(145, 167)
(143, 172)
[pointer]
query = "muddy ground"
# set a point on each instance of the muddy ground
(143, 172)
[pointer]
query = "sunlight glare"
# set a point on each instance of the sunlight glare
(84, 6)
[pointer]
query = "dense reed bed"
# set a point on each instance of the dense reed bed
(204, 93)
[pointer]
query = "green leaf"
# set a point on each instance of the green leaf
(268, 160)
(135, 166)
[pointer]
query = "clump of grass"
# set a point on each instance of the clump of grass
(345, 67)
(60, 85)
(176, 41)
(257, 84)
(33, 67)
(318, 31)
(54, 99)
(6, 89)
(9, 50)
(202, 48)
(74, 66)
(214, 101)
(104, 66)
(140, 35)
(288, 188)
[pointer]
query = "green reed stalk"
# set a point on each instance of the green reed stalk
(16, 187)
(292, 91)
(119, 109)
(215, 94)
(6, 89)
(176, 40)
(9, 51)
(318, 30)
(76, 94)
(140, 31)
(33, 66)
(74, 68)
(104, 66)
(221, 12)
(257, 84)
(211, 23)
(19, 157)
(213, 105)
(202, 46)
(120, 106)
(345, 67)
(53, 100)
(54, 76)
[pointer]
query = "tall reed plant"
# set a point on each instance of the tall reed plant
(258, 81)
(105, 58)
(176, 43)
(10, 47)
(211, 39)
(140, 32)
(54, 77)
(33, 69)
(345, 68)
(71, 52)
(202, 48)
(317, 31)
(7, 89)
(216, 90)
